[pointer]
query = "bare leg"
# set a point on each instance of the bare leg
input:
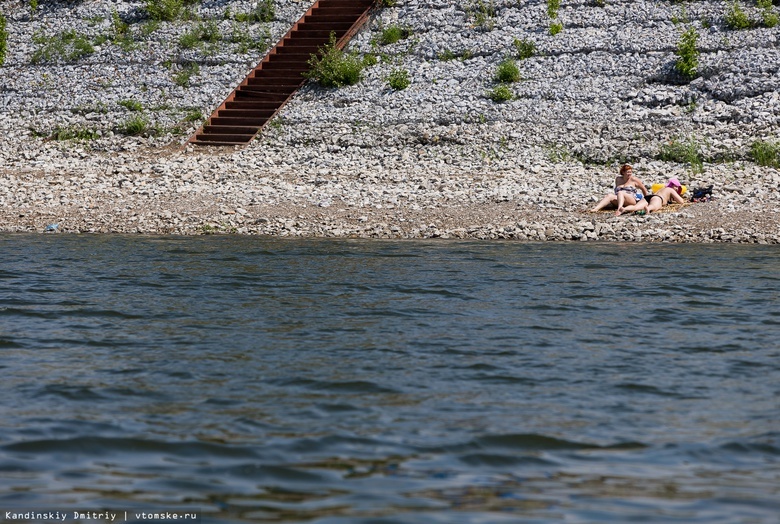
(636, 207)
(624, 198)
(607, 200)
(655, 204)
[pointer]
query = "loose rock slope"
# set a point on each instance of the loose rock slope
(437, 159)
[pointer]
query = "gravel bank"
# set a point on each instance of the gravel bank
(438, 159)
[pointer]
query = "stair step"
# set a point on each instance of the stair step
(290, 58)
(324, 26)
(230, 130)
(248, 113)
(224, 139)
(272, 87)
(244, 93)
(239, 121)
(249, 104)
(290, 81)
(281, 73)
(316, 33)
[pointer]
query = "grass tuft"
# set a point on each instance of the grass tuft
(687, 63)
(765, 153)
(500, 93)
(399, 79)
(507, 72)
(333, 67)
(683, 152)
(3, 38)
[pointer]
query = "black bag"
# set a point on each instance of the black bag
(702, 194)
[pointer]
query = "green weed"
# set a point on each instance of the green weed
(164, 10)
(193, 115)
(483, 14)
(131, 105)
(687, 63)
(500, 93)
(240, 35)
(524, 48)
(507, 72)
(399, 79)
(552, 8)
(205, 32)
(448, 55)
(73, 133)
(67, 46)
(768, 15)
(333, 67)
(187, 71)
(683, 152)
(393, 34)
(263, 12)
(736, 18)
(765, 153)
(3, 38)
(555, 28)
(134, 126)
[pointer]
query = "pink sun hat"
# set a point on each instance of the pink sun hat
(673, 182)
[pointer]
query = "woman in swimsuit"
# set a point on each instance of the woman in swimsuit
(670, 192)
(628, 191)
(658, 200)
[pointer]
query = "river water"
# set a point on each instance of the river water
(338, 381)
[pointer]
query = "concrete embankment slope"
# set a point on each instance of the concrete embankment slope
(368, 160)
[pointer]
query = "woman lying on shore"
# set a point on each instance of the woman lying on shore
(629, 191)
(654, 202)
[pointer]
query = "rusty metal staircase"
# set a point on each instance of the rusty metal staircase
(273, 82)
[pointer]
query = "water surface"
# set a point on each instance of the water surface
(336, 381)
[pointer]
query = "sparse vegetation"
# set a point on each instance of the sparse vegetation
(483, 14)
(687, 63)
(448, 55)
(164, 10)
(552, 8)
(67, 46)
(240, 35)
(683, 151)
(393, 34)
(3, 39)
(134, 126)
(765, 153)
(263, 12)
(736, 18)
(74, 133)
(194, 115)
(507, 72)
(131, 105)
(524, 48)
(768, 14)
(555, 28)
(500, 93)
(399, 79)
(187, 71)
(205, 32)
(335, 68)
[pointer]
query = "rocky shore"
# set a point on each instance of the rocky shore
(437, 159)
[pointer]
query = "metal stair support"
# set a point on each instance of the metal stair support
(268, 87)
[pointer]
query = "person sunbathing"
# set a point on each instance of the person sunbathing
(629, 190)
(656, 201)
(672, 191)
